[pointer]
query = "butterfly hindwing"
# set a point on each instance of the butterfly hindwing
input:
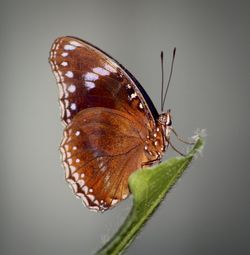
(101, 148)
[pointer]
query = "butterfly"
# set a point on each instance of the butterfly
(112, 128)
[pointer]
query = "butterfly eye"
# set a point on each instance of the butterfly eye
(169, 122)
(169, 119)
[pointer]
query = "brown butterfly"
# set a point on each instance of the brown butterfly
(111, 126)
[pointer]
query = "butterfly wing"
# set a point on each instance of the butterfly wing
(108, 117)
(101, 148)
(88, 77)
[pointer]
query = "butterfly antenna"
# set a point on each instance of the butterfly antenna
(162, 80)
(169, 78)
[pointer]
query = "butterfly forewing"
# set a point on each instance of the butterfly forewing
(107, 121)
(89, 78)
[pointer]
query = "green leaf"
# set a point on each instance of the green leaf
(148, 186)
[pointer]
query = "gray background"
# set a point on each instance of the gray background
(208, 210)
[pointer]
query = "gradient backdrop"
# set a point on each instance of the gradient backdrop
(208, 210)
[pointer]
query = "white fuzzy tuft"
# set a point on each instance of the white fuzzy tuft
(199, 133)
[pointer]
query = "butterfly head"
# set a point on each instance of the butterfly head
(165, 121)
(165, 118)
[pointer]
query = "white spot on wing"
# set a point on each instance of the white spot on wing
(91, 76)
(73, 106)
(75, 43)
(64, 63)
(77, 133)
(89, 85)
(69, 74)
(133, 95)
(72, 88)
(69, 47)
(101, 71)
(65, 54)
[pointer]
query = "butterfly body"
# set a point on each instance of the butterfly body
(111, 126)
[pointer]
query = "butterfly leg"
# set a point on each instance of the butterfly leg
(181, 139)
(175, 149)
(151, 162)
